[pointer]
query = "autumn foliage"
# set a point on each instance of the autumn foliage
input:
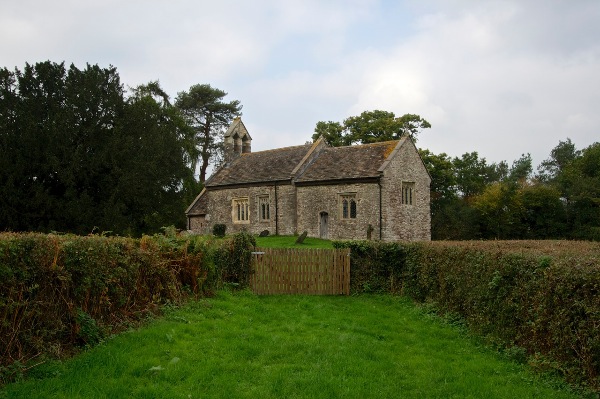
(61, 292)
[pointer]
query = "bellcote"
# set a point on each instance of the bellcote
(237, 140)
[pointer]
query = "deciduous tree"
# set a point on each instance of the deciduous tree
(371, 127)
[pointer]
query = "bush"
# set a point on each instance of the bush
(376, 266)
(60, 292)
(540, 299)
(234, 260)
(219, 230)
(519, 297)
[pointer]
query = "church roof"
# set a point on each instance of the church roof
(199, 206)
(260, 167)
(351, 162)
(327, 164)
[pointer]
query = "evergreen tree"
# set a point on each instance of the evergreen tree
(78, 156)
(204, 109)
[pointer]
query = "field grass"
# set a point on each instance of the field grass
(290, 242)
(244, 346)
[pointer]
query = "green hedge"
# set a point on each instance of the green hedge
(375, 267)
(234, 260)
(58, 292)
(540, 298)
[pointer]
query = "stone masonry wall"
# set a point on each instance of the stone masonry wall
(220, 209)
(199, 225)
(403, 222)
(312, 200)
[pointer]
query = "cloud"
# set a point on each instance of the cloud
(482, 81)
(498, 77)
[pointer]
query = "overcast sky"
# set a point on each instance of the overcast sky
(502, 78)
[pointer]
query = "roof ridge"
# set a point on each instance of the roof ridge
(278, 149)
(387, 142)
(377, 144)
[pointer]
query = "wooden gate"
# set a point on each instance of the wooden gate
(301, 271)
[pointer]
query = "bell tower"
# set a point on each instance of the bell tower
(237, 140)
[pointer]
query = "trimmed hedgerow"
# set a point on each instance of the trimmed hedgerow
(540, 298)
(376, 267)
(58, 292)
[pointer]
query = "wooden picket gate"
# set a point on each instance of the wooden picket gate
(301, 271)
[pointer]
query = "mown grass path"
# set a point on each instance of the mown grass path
(244, 346)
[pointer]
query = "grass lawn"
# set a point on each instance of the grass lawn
(290, 242)
(244, 346)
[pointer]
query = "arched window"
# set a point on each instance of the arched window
(264, 210)
(348, 206)
(408, 189)
(240, 211)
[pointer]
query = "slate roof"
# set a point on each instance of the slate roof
(261, 166)
(352, 162)
(199, 206)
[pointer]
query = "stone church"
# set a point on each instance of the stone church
(374, 191)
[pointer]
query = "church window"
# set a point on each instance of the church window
(240, 211)
(408, 190)
(264, 211)
(348, 206)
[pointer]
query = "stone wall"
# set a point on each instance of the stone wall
(313, 200)
(220, 210)
(199, 225)
(402, 222)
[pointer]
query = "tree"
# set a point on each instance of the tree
(520, 170)
(370, 127)
(451, 216)
(332, 133)
(77, 156)
(581, 182)
(561, 156)
(185, 133)
(545, 215)
(204, 109)
(501, 211)
(473, 174)
(149, 168)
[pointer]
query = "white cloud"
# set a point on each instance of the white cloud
(498, 77)
(466, 74)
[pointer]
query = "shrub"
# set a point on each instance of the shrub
(234, 260)
(60, 292)
(376, 266)
(519, 297)
(219, 230)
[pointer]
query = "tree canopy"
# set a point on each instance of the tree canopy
(370, 127)
(79, 156)
(500, 202)
(209, 115)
